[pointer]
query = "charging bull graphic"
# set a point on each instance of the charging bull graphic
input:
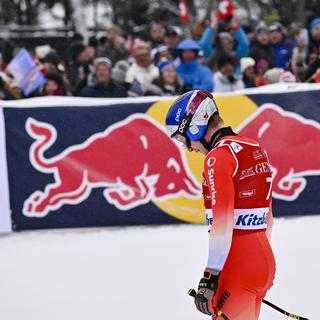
(133, 160)
(292, 143)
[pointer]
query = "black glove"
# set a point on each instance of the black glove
(207, 289)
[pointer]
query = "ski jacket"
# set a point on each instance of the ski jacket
(237, 193)
(195, 75)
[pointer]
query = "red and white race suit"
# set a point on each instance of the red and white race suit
(237, 189)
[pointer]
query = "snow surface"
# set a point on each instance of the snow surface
(140, 272)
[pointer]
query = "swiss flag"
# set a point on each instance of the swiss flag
(225, 9)
(184, 15)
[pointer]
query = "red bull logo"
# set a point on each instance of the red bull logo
(133, 160)
(292, 144)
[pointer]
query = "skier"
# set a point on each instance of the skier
(237, 198)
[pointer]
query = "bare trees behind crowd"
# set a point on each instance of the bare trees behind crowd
(129, 13)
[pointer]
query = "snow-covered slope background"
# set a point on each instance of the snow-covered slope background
(141, 273)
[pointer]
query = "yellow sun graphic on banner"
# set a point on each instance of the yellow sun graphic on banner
(234, 110)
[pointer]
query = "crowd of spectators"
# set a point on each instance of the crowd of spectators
(226, 57)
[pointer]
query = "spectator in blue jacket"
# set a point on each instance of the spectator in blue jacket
(281, 45)
(103, 86)
(193, 75)
(225, 38)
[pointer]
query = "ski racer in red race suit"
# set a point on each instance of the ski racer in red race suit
(237, 197)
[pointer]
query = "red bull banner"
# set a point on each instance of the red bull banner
(74, 162)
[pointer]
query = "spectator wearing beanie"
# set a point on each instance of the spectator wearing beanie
(51, 61)
(172, 40)
(104, 87)
(299, 53)
(80, 60)
(262, 66)
(212, 41)
(168, 82)
(248, 72)
(54, 85)
(53, 64)
(157, 33)
(261, 48)
(281, 45)
(194, 76)
(226, 80)
(224, 43)
(119, 72)
(160, 52)
(142, 72)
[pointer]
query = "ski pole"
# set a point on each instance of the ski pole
(193, 293)
(288, 314)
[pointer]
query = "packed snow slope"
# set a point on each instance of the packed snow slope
(141, 273)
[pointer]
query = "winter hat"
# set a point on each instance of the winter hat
(52, 57)
(155, 52)
(226, 59)
(164, 65)
(56, 77)
(103, 60)
(171, 31)
(246, 62)
(75, 50)
(188, 44)
(314, 23)
(262, 64)
(162, 48)
(119, 71)
(277, 26)
(261, 28)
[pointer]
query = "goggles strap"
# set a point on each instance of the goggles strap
(183, 126)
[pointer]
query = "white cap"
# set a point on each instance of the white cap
(246, 63)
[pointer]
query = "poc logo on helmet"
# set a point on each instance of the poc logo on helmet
(178, 114)
(182, 125)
